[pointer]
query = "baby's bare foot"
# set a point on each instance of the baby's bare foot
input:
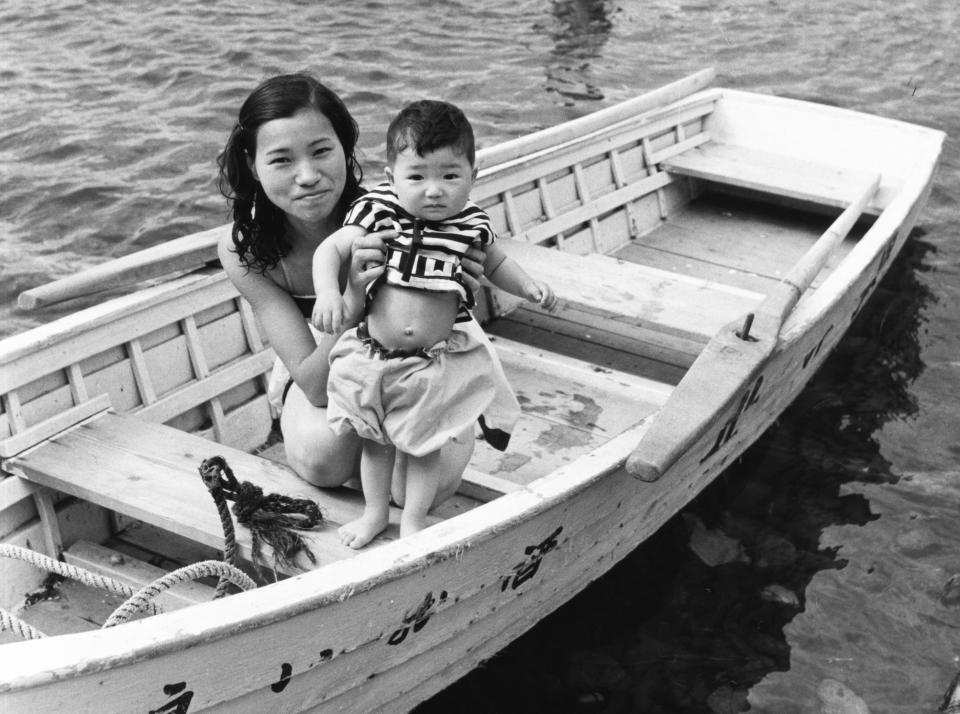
(358, 533)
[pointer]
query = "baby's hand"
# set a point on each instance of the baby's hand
(539, 292)
(328, 312)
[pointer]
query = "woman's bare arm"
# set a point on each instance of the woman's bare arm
(283, 325)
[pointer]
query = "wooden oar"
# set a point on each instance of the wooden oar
(722, 380)
(552, 136)
(779, 304)
(186, 253)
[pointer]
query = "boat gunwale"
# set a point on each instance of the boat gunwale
(49, 335)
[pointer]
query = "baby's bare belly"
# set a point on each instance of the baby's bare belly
(402, 318)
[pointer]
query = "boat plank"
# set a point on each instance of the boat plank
(592, 341)
(728, 240)
(72, 607)
(569, 406)
(44, 430)
(641, 340)
(769, 172)
(13, 490)
(149, 472)
(134, 572)
(77, 337)
(156, 546)
(632, 294)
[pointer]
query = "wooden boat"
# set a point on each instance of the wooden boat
(710, 247)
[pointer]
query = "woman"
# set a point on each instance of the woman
(289, 169)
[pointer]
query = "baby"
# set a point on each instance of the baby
(409, 377)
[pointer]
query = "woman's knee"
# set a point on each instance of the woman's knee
(323, 468)
(317, 454)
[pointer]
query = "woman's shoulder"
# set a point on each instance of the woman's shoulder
(227, 250)
(236, 267)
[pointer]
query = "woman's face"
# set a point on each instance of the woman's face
(301, 166)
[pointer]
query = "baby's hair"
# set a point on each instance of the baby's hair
(428, 125)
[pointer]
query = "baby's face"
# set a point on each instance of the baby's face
(432, 187)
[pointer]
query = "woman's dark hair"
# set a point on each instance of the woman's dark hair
(259, 232)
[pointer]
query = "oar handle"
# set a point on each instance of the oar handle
(787, 293)
(186, 253)
(807, 268)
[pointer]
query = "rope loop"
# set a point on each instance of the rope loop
(66, 570)
(23, 630)
(142, 599)
(271, 518)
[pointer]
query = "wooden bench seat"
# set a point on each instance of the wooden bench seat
(669, 307)
(788, 176)
(149, 471)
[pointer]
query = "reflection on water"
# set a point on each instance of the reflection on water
(581, 30)
(664, 631)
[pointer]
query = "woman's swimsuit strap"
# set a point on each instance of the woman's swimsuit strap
(304, 302)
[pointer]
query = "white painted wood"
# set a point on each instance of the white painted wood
(634, 294)
(30, 436)
(187, 253)
(13, 490)
(31, 355)
(791, 176)
(547, 138)
(803, 273)
(135, 573)
(52, 538)
(176, 402)
(827, 135)
(78, 388)
(78, 519)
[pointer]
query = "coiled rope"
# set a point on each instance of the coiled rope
(273, 519)
(204, 569)
(66, 570)
(137, 600)
(23, 630)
